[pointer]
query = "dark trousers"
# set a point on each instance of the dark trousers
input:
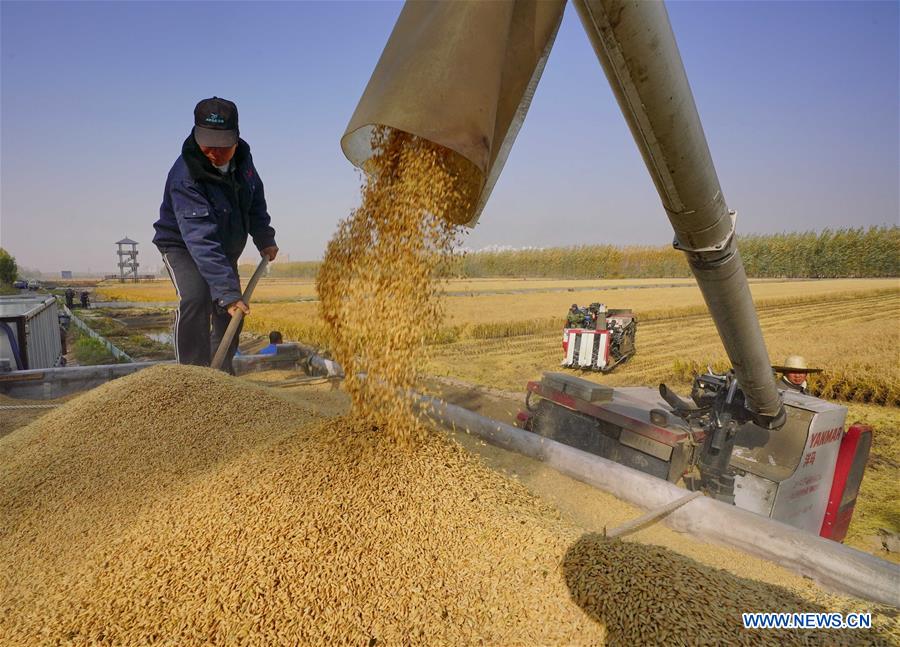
(196, 309)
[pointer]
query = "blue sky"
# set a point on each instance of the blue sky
(799, 101)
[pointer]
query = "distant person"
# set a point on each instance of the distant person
(63, 350)
(70, 298)
(597, 316)
(575, 318)
(85, 299)
(275, 339)
(213, 200)
(794, 372)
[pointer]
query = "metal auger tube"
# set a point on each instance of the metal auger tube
(634, 41)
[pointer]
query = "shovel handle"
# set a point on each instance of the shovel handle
(238, 316)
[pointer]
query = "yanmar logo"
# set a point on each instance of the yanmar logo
(825, 437)
(214, 119)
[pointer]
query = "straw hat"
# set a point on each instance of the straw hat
(795, 364)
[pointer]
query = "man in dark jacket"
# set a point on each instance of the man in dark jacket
(213, 201)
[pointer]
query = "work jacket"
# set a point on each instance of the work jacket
(211, 215)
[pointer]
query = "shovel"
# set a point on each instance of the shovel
(238, 316)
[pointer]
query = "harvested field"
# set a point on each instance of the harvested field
(180, 506)
(500, 315)
(868, 324)
(281, 290)
(285, 289)
(162, 290)
(500, 303)
(493, 308)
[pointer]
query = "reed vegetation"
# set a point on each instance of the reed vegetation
(832, 253)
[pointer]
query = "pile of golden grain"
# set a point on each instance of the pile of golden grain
(180, 506)
(380, 298)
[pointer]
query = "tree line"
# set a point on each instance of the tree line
(872, 252)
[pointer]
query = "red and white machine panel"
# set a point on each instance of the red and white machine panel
(587, 349)
(806, 474)
(848, 474)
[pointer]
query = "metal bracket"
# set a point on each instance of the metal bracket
(717, 247)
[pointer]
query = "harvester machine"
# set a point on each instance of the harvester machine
(806, 474)
(597, 338)
(462, 75)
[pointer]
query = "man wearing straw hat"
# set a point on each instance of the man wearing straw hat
(794, 372)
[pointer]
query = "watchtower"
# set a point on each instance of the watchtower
(128, 263)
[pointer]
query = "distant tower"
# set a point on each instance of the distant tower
(128, 264)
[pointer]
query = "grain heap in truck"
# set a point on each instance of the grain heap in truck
(180, 506)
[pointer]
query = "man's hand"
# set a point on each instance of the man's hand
(238, 305)
(269, 252)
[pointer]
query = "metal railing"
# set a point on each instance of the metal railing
(116, 352)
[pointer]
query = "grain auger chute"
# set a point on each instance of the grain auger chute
(462, 75)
